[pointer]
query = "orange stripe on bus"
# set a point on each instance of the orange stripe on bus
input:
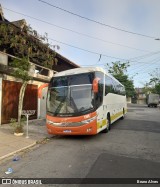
(71, 119)
(80, 130)
(40, 90)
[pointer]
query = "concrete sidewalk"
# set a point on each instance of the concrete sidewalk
(11, 144)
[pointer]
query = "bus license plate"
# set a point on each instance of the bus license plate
(67, 131)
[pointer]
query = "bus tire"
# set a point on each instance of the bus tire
(105, 130)
(123, 114)
(109, 122)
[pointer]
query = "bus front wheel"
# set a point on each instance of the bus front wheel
(109, 125)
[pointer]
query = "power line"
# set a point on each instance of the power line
(150, 54)
(154, 61)
(148, 71)
(97, 22)
(76, 32)
(134, 62)
(63, 42)
(140, 57)
(86, 50)
(144, 56)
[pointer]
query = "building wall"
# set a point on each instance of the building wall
(62, 65)
(10, 87)
(0, 99)
(10, 97)
(43, 103)
(141, 101)
(128, 99)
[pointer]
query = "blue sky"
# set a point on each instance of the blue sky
(139, 16)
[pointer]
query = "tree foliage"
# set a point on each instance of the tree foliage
(118, 68)
(27, 46)
(148, 89)
(157, 88)
(21, 69)
(26, 43)
(119, 71)
(153, 85)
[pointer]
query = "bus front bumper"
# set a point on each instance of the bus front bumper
(86, 129)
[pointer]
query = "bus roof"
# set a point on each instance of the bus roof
(83, 70)
(78, 70)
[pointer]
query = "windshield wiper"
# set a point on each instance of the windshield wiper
(73, 103)
(60, 106)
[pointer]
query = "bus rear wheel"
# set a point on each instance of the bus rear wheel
(109, 122)
(123, 114)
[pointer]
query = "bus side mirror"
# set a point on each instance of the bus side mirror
(40, 90)
(95, 85)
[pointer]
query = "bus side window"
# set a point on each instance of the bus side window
(117, 88)
(100, 85)
(99, 95)
(112, 86)
(123, 91)
(108, 85)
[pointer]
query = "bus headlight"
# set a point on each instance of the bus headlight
(89, 120)
(49, 122)
(53, 123)
(71, 124)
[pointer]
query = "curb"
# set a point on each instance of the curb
(19, 150)
(29, 121)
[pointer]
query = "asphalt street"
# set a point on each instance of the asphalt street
(129, 150)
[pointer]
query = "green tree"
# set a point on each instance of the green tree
(148, 89)
(118, 68)
(26, 43)
(21, 69)
(155, 76)
(27, 46)
(155, 81)
(157, 88)
(119, 71)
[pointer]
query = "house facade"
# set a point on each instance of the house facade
(141, 97)
(10, 86)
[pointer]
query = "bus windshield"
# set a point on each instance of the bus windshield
(67, 99)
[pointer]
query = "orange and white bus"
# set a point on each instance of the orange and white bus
(84, 101)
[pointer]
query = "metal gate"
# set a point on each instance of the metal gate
(10, 97)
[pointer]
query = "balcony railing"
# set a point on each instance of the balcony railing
(36, 71)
